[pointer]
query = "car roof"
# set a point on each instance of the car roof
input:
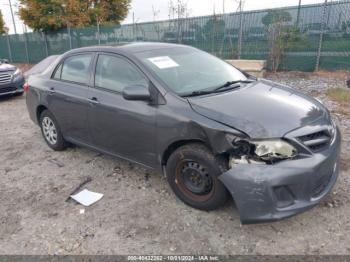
(129, 48)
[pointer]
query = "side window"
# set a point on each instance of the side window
(76, 69)
(115, 73)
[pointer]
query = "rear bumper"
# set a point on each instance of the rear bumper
(12, 88)
(265, 193)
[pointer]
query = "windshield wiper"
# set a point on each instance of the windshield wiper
(231, 83)
(206, 92)
(225, 87)
(198, 93)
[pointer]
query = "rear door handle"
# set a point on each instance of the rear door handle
(94, 100)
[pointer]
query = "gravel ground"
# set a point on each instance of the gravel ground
(138, 213)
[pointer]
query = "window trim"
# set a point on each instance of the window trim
(59, 65)
(127, 60)
(62, 63)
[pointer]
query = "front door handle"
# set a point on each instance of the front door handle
(93, 100)
(52, 90)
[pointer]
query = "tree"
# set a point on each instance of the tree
(156, 25)
(178, 9)
(2, 25)
(106, 11)
(214, 30)
(280, 36)
(52, 15)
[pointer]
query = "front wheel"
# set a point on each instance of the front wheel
(192, 172)
(51, 131)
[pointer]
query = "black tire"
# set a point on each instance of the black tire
(57, 144)
(196, 160)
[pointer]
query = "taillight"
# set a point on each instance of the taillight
(26, 87)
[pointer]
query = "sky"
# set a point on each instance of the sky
(143, 11)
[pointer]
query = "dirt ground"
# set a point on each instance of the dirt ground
(138, 213)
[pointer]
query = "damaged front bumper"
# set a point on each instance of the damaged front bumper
(264, 193)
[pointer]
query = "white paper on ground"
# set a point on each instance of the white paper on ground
(87, 197)
(163, 62)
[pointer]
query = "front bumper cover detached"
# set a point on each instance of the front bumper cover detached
(264, 193)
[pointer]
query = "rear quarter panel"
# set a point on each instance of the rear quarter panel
(35, 96)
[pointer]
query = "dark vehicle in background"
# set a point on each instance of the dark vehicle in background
(189, 37)
(213, 130)
(169, 37)
(11, 79)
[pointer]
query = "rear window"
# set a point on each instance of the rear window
(75, 69)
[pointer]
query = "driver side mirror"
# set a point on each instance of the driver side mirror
(137, 92)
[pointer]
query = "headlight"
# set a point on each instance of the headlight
(274, 149)
(270, 150)
(16, 74)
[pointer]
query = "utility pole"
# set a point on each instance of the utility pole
(64, 16)
(13, 17)
(24, 28)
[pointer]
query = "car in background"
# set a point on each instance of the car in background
(11, 79)
(169, 37)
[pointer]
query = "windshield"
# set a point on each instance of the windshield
(187, 70)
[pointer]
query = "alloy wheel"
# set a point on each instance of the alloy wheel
(49, 130)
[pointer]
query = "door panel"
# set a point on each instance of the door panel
(68, 103)
(68, 94)
(118, 126)
(121, 127)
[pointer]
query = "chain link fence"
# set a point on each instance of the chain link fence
(323, 40)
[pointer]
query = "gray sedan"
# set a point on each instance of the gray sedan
(211, 129)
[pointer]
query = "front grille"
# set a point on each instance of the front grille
(316, 141)
(7, 89)
(5, 78)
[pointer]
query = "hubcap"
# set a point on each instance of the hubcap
(196, 179)
(49, 130)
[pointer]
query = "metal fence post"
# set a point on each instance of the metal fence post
(9, 47)
(318, 58)
(240, 34)
(26, 46)
(98, 32)
(69, 36)
(45, 42)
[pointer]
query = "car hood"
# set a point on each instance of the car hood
(7, 67)
(262, 109)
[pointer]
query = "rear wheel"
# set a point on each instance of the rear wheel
(192, 172)
(51, 131)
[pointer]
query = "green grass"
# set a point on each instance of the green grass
(340, 95)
